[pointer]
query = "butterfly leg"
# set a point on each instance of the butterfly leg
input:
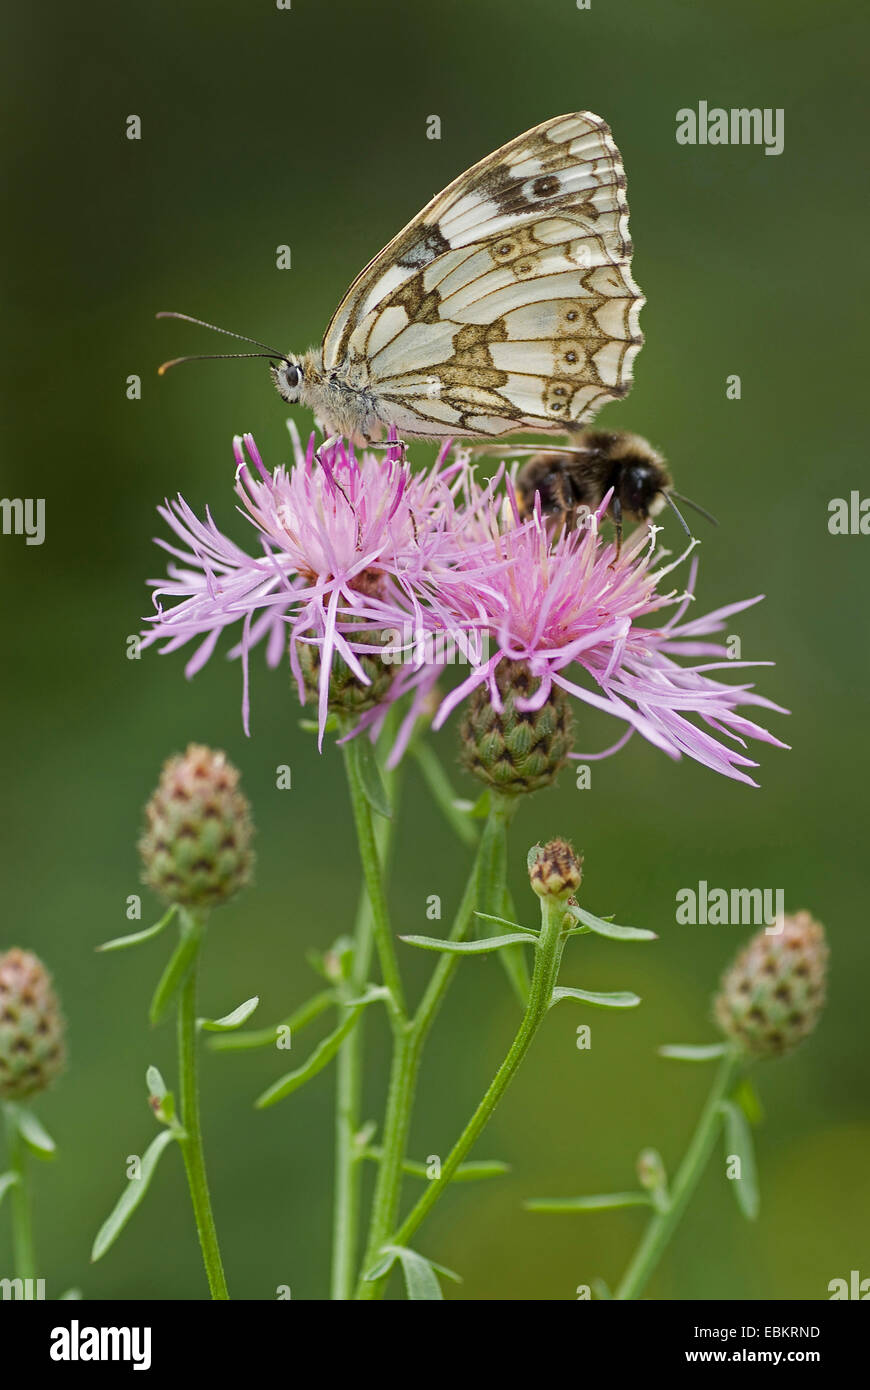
(616, 513)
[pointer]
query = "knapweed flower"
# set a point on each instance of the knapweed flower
(351, 548)
(555, 870)
(561, 607)
(771, 997)
(196, 849)
(32, 1050)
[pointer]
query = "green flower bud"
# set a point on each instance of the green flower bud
(196, 849)
(517, 750)
(32, 1051)
(555, 871)
(348, 695)
(771, 997)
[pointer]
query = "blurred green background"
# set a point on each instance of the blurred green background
(262, 127)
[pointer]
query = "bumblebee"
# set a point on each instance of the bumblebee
(577, 478)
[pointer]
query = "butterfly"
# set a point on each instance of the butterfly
(507, 304)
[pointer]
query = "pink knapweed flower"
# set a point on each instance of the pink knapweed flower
(570, 605)
(350, 547)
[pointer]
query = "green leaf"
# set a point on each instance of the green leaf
(605, 1201)
(618, 999)
(71, 1294)
(34, 1135)
(372, 993)
(609, 929)
(469, 948)
(738, 1141)
(746, 1096)
(161, 1098)
(8, 1180)
(311, 726)
(173, 976)
(120, 943)
(320, 1057)
(474, 1171)
(131, 1196)
(513, 959)
(266, 1037)
(692, 1052)
(420, 1274)
(503, 922)
(601, 1289)
(455, 812)
(231, 1020)
(370, 776)
(480, 808)
(157, 1087)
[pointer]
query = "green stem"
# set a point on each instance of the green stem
(548, 954)
(662, 1226)
(24, 1258)
(191, 1144)
(371, 866)
(348, 1100)
(484, 890)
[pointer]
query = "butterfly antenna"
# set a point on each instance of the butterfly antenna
(687, 502)
(211, 356)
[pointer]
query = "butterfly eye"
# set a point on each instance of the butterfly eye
(292, 376)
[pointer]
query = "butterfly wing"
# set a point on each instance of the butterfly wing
(508, 302)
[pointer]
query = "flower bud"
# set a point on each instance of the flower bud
(196, 849)
(771, 997)
(32, 1051)
(348, 695)
(555, 871)
(516, 751)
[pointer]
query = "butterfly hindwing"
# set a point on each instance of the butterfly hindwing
(509, 301)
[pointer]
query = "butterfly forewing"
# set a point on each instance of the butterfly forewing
(508, 302)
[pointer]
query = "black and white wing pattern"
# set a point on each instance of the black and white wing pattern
(508, 303)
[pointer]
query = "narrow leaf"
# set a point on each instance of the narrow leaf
(231, 1020)
(746, 1096)
(455, 812)
(120, 943)
(618, 999)
(468, 948)
(131, 1196)
(601, 1289)
(266, 1037)
(157, 1087)
(474, 1171)
(7, 1180)
(610, 929)
(371, 994)
(421, 1282)
(738, 1142)
(503, 922)
(34, 1135)
(480, 808)
(692, 1052)
(173, 976)
(319, 1058)
(370, 776)
(605, 1201)
(311, 726)
(71, 1294)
